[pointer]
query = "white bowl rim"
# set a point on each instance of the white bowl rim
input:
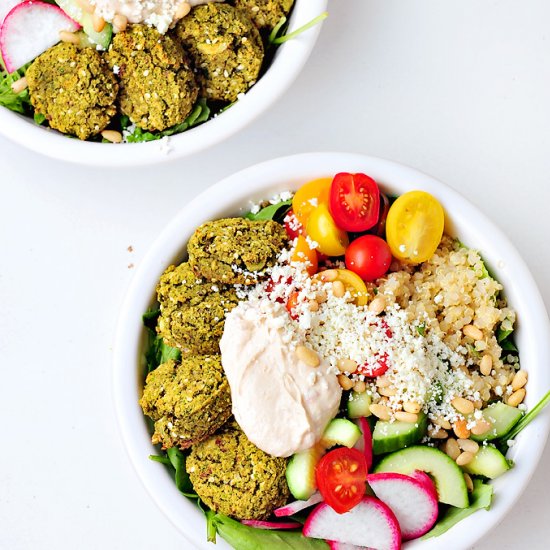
(252, 184)
(287, 63)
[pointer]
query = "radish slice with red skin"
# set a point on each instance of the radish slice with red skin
(364, 444)
(298, 505)
(333, 545)
(5, 7)
(426, 481)
(29, 29)
(371, 523)
(414, 505)
(271, 524)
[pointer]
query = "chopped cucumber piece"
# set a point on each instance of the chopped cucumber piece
(448, 477)
(392, 436)
(502, 417)
(358, 405)
(488, 462)
(340, 431)
(300, 472)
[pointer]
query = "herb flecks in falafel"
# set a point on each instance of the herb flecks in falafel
(188, 400)
(265, 13)
(74, 89)
(226, 49)
(235, 250)
(157, 86)
(233, 477)
(192, 310)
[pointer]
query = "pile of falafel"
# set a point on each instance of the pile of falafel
(190, 400)
(214, 53)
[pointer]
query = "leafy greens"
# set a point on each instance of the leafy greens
(275, 212)
(157, 351)
(20, 103)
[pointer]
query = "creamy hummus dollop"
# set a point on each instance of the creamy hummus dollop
(157, 13)
(282, 404)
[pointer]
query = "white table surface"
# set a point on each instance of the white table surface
(459, 89)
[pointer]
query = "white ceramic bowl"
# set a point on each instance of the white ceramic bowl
(231, 197)
(288, 61)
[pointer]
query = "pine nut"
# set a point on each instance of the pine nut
(338, 289)
(478, 404)
(359, 387)
(120, 22)
(345, 382)
(313, 305)
(380, 411)
(481, 426)
(451, 448)
(347, 365)
(69, 37)
(464, 458)
(412, 407)
(383, 382)
(112, 135)
(469, 482)
(378, 305)
(387, 392)
(472, 332)
(328, 276)
(440, 421)
(516, 398)
(321, 297)
(19, 85)
(463, 406)
(468, 445)
(460, 429)
(403, 416)
(519, 380)
(486, 365)
(435, 433)
(182, 10)
(98, 22)
(86, 6)
(307, 356)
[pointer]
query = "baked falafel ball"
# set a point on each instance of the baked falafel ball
(74, 89)
(192, 310)
(225, 47)
(235, 250)
(265, 13)
(233, 477)
(157, 85)
(188, 400)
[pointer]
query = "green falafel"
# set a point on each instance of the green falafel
(157, 86)
(265, 13)
(235, 250)
(74, 89)
(233, 477)
(188, 400)
(226, 49)
(192, 310)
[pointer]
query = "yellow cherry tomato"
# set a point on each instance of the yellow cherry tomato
(352, 283)
(414, 226)
(303, 253)
(332, 240)
(309, 196)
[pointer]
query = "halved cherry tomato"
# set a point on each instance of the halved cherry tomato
(369, 256)
(292, 302)
(303, 253)
(354, 201)
(352, 283)
(415, 226)
(292, 226)
(341, 477)
(379, 367)
(309, 196)
(321, 228)
(272, 285)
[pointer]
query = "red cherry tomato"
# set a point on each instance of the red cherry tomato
(378, 369)
(292, 226)
(354, 201)
(341, 477)
(272, 285)
(369, 256)
(292, 302)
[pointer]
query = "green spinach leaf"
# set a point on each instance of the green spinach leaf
(527, 419)
(275, 212)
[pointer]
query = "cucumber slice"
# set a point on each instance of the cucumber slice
(74, 11)
(502, 417)
(448, 477)
(358, 405)
(392, 436)
(300, 472)
(488, 462)
(340, 431)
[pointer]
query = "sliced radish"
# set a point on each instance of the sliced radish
(29, 29)
(364, 444)
(6, 6)
(298, 505)
(426, 481)
(333, 545)
(271, 524)
(414, 505)
(371, 523)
